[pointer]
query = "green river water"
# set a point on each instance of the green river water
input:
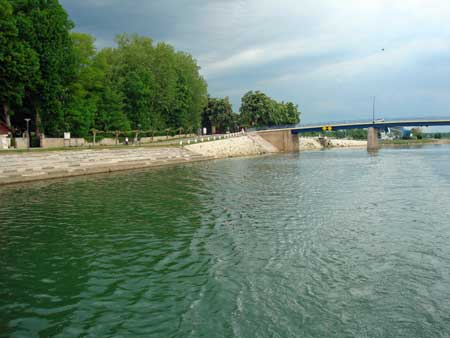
(335, 243)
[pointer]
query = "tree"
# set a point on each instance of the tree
(292, 113)
(18, 63)
(257, 110)
(61, 79)
(218, 115)
(132, 74)
(417, 133)
(192, 91)
(110, 113)
(81, 102)
(93, 100)
(161, 88)
(357, 134)
(44, 26)
(165, 90)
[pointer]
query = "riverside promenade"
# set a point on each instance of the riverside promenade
(40, 165)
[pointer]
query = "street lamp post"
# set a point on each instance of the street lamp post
(28, 132)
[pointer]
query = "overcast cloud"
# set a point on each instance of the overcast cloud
(326, 56)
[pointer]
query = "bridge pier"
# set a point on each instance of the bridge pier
(372, 139)
(283, 140)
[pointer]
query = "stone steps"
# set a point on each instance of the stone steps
(16, 168)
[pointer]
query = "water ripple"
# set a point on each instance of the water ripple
(318, 244)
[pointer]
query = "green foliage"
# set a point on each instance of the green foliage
(161, 88)
(417, 133)
(18, 62)
(219, 114)
(355, 134)
(58, 78)
(44, 26)
(257, 110)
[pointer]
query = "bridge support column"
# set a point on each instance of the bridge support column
(372, 139)
(283, 140)
(292, 143)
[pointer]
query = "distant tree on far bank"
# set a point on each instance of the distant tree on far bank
(218, 116)
(417, 133)
(355, 134)
(257, 110)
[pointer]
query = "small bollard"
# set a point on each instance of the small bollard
(189, 141)
(201, 140)
(181, 143)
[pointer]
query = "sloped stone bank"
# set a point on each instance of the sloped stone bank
(247, 145)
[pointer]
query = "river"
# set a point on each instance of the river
(335, 243)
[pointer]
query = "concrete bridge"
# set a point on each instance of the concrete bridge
(286, 139)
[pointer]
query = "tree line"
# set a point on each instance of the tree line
(62, 82)
(257, 110)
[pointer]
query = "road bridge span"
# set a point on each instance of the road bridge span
(286, 139)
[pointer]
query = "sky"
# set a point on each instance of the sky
(331, 57)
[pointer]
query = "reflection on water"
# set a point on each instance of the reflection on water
(320, 244)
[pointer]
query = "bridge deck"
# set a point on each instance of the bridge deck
(376, 124)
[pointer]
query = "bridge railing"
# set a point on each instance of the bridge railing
(391, 119)
(327, 123)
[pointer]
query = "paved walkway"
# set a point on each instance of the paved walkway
(23, 167)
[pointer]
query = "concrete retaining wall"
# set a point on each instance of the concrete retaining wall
(108, 141)
(51, 142)
(163, 138)
(283, 140)
(21, 143)
(5, 142)
(313, 143)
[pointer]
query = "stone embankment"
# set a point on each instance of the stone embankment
(253, 144)
(246, 145)
(32, 166)
(314, 143)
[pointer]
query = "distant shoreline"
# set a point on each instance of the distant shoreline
(427, 141)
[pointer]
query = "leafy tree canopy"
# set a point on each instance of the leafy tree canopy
(257, 110)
